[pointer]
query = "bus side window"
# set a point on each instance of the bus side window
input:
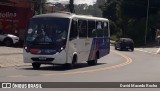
(91, 29)
(105, 28)
(99, 29)
(74, 30)
(82, 27)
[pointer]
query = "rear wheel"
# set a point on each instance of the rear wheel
(36, 65)
(93, 62)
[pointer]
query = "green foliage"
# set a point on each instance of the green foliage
(88, 10)
(114, 37)
(39, 6)
(136, 30)
(128, 18)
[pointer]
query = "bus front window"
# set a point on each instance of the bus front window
(47, 31)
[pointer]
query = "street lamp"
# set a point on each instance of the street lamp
(145, 40)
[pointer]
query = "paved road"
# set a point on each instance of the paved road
(118, 66)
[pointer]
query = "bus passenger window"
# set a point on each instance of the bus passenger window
(99, 29)
(105, 29)
(82, 27)
(74, 30)
(91, 29)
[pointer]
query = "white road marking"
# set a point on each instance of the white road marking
(145, 51)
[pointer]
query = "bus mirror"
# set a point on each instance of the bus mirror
(75, 19)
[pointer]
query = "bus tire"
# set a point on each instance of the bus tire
(71, 65)
(93, 62)
(36, 65)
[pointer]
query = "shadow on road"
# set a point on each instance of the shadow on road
(60, 67)
(125, 50)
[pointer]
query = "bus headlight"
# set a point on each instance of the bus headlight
(26, 49)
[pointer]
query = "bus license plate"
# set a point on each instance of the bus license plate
(42, 58)
(127, 47)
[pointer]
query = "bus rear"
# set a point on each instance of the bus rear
(46, 40)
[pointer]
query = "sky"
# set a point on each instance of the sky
(89, 2)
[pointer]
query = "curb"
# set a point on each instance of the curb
(14, 66)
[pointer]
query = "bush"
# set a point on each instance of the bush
(114, 37)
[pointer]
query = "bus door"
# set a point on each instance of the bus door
(83, 43)
(79, 42)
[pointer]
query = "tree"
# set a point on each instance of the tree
(39, 6)
(71, 6)
(129, 16)
(88, 10)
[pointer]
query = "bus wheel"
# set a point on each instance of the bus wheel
(92, 62)
(36, 65)
(71, 65)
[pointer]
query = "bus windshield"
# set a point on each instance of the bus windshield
(46, 31)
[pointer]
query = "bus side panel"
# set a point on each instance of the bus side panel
(99, 44)
(103, 45)
(80, 47)
(71, 50)
(92, 50)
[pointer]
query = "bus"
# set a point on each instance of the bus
(66, 39)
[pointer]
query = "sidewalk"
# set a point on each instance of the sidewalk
(150, 48)
(11, 57)
(153, 50)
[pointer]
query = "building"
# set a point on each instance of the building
(57, 7)
(15, 15)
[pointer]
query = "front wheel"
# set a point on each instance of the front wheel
(71, 65)
(36, 65)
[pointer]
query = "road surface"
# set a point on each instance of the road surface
(118, 66)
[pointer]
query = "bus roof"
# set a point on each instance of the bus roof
(70, 16)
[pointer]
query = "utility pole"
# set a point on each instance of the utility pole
(145, 40)
(71, 6)
(41, 7)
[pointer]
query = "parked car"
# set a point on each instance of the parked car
(8, 39)
(124, 43)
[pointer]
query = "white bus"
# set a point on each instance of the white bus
(66, 39)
